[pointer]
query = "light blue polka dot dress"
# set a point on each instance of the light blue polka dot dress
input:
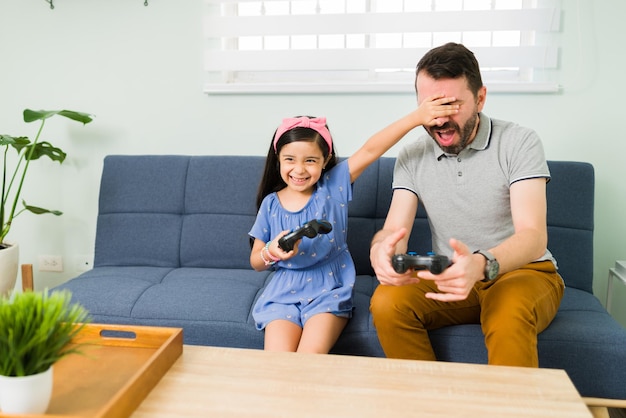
(320, 278)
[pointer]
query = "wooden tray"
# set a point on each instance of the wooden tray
(118, 367)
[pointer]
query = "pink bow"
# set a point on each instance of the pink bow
(317, 124)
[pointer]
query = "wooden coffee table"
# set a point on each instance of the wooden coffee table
(229, 382)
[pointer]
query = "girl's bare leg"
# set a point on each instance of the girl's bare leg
(320, 333)
(282, 335)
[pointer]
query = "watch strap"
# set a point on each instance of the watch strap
(492, 264)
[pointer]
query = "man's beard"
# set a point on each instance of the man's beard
(464, 134)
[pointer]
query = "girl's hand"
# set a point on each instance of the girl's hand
(264, 255)
(434, 110)
(277, 252)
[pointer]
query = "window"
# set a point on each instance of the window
(319, 46)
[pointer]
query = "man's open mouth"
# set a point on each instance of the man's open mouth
(445, 137)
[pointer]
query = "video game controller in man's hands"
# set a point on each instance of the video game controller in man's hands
(411, 260)
(309, 230)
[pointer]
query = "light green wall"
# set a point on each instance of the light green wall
(139, 69)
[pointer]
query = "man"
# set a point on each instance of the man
(482, 182)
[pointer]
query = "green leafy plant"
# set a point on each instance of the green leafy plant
(27, 151)
(35, 329)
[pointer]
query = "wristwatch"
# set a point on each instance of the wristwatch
(492, 268)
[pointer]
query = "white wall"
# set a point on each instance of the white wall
(139, 70)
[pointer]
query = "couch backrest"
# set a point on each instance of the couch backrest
(571, 193)
(196, 211)
(172, 211)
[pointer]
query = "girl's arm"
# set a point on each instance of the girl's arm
(433, 111)
(263, 256)
(256, 262)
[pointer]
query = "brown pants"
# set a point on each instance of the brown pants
(512, 310)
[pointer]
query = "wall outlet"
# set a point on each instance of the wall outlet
(50, 263)
(83, 262)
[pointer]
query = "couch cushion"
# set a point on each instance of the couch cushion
(202, 294)
(139, 223)
(219, 211)
(359, 337)
(111, 292)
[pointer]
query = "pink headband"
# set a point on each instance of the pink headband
(317, 124)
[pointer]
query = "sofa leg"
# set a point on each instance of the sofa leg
(599, 411)
(27, 277)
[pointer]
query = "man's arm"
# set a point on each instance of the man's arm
(394, 238)
(529, 211)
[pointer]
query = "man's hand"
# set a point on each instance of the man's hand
(456, 282)
(380, 257)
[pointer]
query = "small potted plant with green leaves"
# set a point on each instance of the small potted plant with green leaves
(14, 169)
(35, 332)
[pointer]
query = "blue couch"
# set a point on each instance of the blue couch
(172, 250)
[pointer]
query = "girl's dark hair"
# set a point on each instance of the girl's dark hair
(452, 61)
(272, 181)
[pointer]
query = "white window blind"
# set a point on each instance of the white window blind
(321, 46)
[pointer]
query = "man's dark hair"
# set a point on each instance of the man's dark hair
(452, 61)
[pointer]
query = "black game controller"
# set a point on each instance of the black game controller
(309, 230)
(411, 260)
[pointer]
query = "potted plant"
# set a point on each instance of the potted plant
(13, 175)
(35, 331)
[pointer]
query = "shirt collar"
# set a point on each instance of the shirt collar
(481, 141)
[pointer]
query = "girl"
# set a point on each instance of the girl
(308, 301)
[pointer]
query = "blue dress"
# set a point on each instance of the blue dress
(320, 278)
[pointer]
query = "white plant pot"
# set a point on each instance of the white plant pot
(9, 259)
(27, 394)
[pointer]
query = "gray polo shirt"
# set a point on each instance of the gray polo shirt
(467, 196)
